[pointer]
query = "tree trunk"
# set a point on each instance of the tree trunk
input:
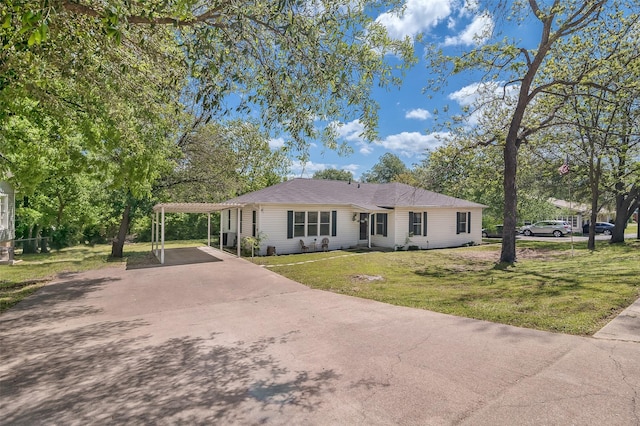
(508, 253)
(29, 246)
(117, 246)
(625, 203)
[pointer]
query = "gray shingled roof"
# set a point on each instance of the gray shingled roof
(367, 195)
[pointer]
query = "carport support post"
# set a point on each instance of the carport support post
(157, 232)
(162, 252)
(209, 229)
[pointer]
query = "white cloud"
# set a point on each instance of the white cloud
(474, 92)
(350, 131)
(410, 144)
(417, 16)
(306, 169)
(418, 114)
(476, 33)
(365, 148)
(480, 96)
(276, 143)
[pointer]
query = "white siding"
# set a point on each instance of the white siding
(272, 224)
(441, 228)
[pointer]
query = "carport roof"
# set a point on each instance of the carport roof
(194, 207)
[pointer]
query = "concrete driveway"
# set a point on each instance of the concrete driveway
(228, 342)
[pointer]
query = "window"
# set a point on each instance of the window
(463, 222)
(298, 224)
(325, 223)
(381, 224)
(4, 211)
(418, 223)
(312, 225)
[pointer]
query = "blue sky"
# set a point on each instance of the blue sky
(406, 115)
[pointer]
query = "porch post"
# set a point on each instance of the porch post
(220, 230)
(238, 232)
(369, 231)
(209, 229)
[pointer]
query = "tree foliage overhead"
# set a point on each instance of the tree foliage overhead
(289, 63)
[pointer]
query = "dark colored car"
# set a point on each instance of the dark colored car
(601, 228)
(492, 232)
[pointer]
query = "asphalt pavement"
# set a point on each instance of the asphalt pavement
(223, 341)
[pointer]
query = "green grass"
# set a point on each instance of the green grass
(547, 289)
(35, 270)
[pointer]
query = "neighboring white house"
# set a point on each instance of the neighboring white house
(394, 215)
(7, 221)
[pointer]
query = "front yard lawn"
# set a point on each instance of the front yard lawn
(547, 289)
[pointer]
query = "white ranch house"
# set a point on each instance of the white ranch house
(304, 212)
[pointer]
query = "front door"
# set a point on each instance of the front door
(364, 226)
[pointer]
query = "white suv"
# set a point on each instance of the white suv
(557, 228)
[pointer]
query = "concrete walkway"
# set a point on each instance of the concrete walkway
(625, 326)
(228, 342)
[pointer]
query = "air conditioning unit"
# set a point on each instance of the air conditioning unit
(229, 239)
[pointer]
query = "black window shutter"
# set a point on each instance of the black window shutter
(410, 222)
(457, 222)
(373, 224)
(469, 222)
(241, 221)
(384, 221)
(289, 223)
(334, 223)
(424, 224)
(254, 222)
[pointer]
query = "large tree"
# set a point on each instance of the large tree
(333, 174)
(387, 169)
(520, 68)
(219, 161)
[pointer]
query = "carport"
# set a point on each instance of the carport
(157, 228)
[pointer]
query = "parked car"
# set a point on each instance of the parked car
(601, 228)
(492, 232)
(557, 228)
